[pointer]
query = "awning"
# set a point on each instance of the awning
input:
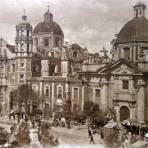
(139, 144)
(111, 125)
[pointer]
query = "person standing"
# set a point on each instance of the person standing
(89, 132)
(126, 142)
(102, 135)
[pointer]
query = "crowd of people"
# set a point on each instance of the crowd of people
(127, 133)
(20, 131)
(131, 133)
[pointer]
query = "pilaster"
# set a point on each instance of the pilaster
(141, 101)
(52, 95)
(104, 102)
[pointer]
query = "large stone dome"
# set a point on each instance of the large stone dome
(48, 27)
(134, 30)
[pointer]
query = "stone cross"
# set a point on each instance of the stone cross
(104, 51)
(24, 11)
(48, 7)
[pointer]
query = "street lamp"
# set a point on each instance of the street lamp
(29, 107)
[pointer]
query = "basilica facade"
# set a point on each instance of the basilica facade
(59, 72)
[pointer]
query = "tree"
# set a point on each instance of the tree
(27, 96)
(93, 112)
(111, 114)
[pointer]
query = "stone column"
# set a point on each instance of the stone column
(66, 90)
(134, 53)
(117, 109)
(45, 68)
(131, 53)
(41, 95)
(118, 54)
(132, 112)
(122, 53)
(133, 98)
(141, 101)
(82, 102)
(4, 101)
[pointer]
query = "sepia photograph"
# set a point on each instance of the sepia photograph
(73, 74)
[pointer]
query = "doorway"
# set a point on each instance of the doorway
(124, 113)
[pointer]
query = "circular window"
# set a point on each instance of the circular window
(75, 54)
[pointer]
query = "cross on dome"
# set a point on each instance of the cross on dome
(24, 17)
(48, 7)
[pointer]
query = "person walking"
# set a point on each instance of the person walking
(92, 139)
(12, 129)
(89, 132)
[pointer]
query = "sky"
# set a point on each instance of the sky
(89, 23)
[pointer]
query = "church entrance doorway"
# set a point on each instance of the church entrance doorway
(124, 113)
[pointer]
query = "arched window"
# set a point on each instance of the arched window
(47, 90)
(75, 92)
(60, 92)
(46, 42)
(75, 54)
(126, 53)
(35, 87)
(35, 68)
(57, 42)
(125, 84)
(52, 54)
(27, 33)
(22, 46)
(36, 41)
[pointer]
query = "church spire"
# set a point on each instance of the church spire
(139, 9)
(48, 16)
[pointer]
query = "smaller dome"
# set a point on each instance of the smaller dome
(48, 27)
(47, 13)
(134, 30)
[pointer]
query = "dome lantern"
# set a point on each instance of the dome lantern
(48, 16)
(139, 10)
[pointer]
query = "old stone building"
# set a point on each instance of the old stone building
(60, 73)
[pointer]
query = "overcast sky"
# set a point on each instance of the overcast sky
(90, 23)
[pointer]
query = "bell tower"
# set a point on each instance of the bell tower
(139, 10)
(23, 50)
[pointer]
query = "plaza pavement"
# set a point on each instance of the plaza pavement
(69, 138)
(6, 123)
(76, 138)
